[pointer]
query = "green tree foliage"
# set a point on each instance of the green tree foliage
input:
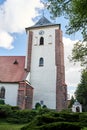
(56, 121)
(2, 101)
(37, 106)
(71, 102)
(5, 111)
(79, 53)
(81, 92)
(44, 106)
(75, 11)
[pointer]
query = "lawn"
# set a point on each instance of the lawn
(7, 126)
(85, 128)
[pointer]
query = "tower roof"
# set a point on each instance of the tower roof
(43, 22)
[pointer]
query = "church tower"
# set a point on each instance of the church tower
(45, 64)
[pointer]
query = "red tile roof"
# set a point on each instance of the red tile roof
(12, 68)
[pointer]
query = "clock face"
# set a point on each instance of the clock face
(41, 32)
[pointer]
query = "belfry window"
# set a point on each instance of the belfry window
(2, 92)
(41, 41)
(41, 62)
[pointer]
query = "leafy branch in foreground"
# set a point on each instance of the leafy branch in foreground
(79, 53)
(75, 11)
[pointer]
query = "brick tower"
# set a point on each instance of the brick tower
(45, 64)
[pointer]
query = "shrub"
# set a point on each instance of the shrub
(60, 126)
(22, 116)
(37, 106)
(15, 108)
(54, 126)
(70, 117)
(2, 101)
(5, 111)
(83, 119)
(43, 111)
(55, 121)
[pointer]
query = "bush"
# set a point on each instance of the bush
(83, 119)
(15, 108)
(5, 111)
(22, 116)
(2, 101)
(60, 126)
(37, 106)
(54, 126)
(70, 117)
(43, 111)
(53, 120)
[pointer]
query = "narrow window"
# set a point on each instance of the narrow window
(41, 41)
(41, 61)
(2, 93)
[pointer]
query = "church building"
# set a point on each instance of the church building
(38, 77)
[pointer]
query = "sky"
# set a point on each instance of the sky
(15, 16)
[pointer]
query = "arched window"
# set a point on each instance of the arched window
(2, 92)
(41, 62)
(41, 41)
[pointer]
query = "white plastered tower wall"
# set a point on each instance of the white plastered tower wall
(44, 78)
(48, 80)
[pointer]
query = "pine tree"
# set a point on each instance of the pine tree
(81, 92)
(71, 102)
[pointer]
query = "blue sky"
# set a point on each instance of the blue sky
(15, 16)
(19, 43)
(2, 1)
(19, 38)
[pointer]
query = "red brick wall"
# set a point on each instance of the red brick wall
(29, 98)
(29, 51)
(25, 96)
(61, 88)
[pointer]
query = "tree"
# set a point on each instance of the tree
(71, 102)
(75, 11)
(81, 91)
(79, 53)
(37, 106)
(44, 106)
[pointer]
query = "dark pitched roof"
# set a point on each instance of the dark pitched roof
(12, 68)
(43, 21)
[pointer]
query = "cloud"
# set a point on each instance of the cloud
(15, 16)
(72, 71)
(6, 40)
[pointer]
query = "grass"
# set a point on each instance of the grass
(7, 126)
(85, 128)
